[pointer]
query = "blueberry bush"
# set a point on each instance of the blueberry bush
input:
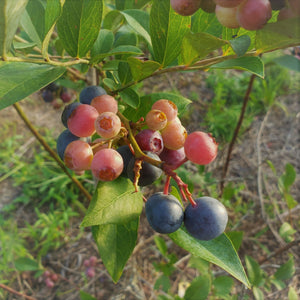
(124, 139)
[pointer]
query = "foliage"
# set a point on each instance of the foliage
(125, 42)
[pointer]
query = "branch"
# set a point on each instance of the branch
(10, 290)
(50, 151)
(236, 132)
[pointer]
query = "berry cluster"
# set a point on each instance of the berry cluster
(249, 14)
(50, 278)
(57, 95)
(98, 137)
(90, 265)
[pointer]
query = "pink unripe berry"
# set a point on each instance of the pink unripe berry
(168, 107)
(200, 148)
(86, 263)
(227, 16)
(54, 277)
(78, 156)
(49, 283)
(156, 119)
(93, 260)
(107, 165)
(82, 120)
(254, 14)
(90, 272)
(174, 135)
(108, 125)
(105, 103)
(228, 3)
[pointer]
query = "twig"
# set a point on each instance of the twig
(236, 132)
(50, 151)
(10, 290)
(279, 251)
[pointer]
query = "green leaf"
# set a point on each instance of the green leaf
(199, 288)
(288, 178)
(241, 44)
(236, 238)
(104, 43)
(130, 97)
(199, 45)
(33, 21)
(112, 20)
(52, 13)
(79, 25)
(289, 62)
(85, 296)
(120, 50)
(115, 243)
(258, 294)
(26, 264)
(114, 202)
(251, 64)
(167, 30)
(10, 13)
(281, 34)
(138, 20)
(161, 245)
(163, 282)
(16, 84)
(205, 22)
(286, 231)
(254, 271)
(124, 73)
(148, 100)
(290, 201)
(142, 69)
(222, 286)
(219, 251)
(292, 294)
(127, 4)
(286, 271)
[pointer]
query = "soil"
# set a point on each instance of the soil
(272, 137)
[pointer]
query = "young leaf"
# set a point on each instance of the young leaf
(219, 251)
(241, 44)
(292, 294)
(167, 30)
(52, 13)
(10, 13)
(251, 64)
(33, 21)
(26, 264)
(288, 178)
(286, 271)
(138, 20)
(286, 231)
(199, 288)
(254, 271)
(258, 294)
(199, 45)
(205, 22)
(115, 243)
(16, 84)
(79, 25)
(222, 286)
(161, 245)
(142, 69)
(278, 35)
(114, 202)
(85, 296)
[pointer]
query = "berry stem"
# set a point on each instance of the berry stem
(167, 184)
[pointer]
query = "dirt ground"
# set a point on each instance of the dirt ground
(274, 136)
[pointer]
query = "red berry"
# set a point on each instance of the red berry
(82, 120)
(150, 140)
(173, 158)
(107, 164)
(200, 148)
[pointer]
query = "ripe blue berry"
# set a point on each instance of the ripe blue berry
(207, 219)
(127, 155)
(164, 213)
(90, 92)
(67, 112)
(148, 173)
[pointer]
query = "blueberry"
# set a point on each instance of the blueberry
(64, 139)
(47, 95)
(67, 112)
(148, 173)
(127, 156)
(207, 219)
(90, 92)
(164, 213)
